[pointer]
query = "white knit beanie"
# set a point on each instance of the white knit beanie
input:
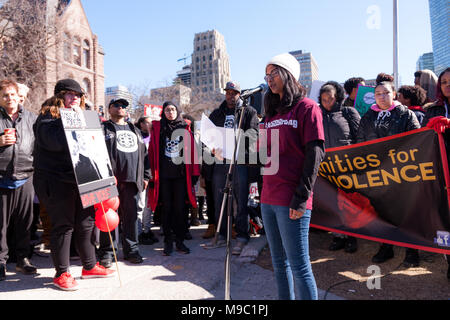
(288, 62)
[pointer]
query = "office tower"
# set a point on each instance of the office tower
(440, 32)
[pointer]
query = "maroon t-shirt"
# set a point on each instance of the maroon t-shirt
(298, 127)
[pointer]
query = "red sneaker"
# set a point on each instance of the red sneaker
(97, 272)
(65, 282)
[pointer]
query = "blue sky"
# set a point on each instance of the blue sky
(143, 39)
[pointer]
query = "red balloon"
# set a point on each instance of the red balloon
(108, 220)
(112, 203)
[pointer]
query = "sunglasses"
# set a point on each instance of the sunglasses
(119, 106)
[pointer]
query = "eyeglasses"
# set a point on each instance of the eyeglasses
(74, 94)
(272, 75)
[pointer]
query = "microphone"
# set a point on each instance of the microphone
(247, 93)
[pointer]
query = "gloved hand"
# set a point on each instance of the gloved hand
(439, 124)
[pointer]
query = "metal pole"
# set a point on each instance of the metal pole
(396, 78)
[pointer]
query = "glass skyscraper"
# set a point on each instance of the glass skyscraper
(440, 29)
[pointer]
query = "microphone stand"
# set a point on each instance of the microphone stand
(228, 201)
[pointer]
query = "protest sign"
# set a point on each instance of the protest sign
(365, 98)
(89, 155)
(391, 190)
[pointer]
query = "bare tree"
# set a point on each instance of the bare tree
(26, 32)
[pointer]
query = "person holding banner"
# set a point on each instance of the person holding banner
(437, 117)
(286, 199)
(56, 187)
(340, 126)
(174, 173)
(385, 118)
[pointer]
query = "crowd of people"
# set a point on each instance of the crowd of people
(156, 189)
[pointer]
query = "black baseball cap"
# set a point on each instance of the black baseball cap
(119, 101)
(68, 85)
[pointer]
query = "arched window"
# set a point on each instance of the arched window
(86, 54)
(87, 86)
(67, 48)
(77, 51)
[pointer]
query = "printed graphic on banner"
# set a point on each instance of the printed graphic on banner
(90, 159)
(365, 98)
(389, 190)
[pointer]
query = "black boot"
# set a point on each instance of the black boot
(2, 272)
(385, 253)
(411, 258)
(24, 266)
(337, 244)
(350, 245)
(182, 248)
(168, 248)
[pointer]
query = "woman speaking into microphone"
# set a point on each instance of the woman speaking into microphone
(287, 195)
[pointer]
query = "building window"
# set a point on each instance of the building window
(87, 86)
(87, 54)
(67, 48)
(77, 51)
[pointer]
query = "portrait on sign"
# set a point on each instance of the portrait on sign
(89, 155)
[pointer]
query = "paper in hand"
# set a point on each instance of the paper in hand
(217, 137)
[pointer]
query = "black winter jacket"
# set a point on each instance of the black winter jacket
(51, 152)
(143, 165)
(340, 126)
(438, 110)
(374, 126)
(16, 161)
(249, 126)
(434, 110)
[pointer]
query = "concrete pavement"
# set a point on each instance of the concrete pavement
(196, 276)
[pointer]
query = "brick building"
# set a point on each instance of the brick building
(76, 53)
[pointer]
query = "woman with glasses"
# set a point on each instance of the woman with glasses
(286, 200)
(174, 172)
(385, 118)
(56, 187)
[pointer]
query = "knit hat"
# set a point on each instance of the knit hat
(68, 85)
(288, 62)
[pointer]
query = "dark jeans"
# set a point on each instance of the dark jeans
(128, 196)
(240, 191)
(16, 208)
(173, 195)
(68, 220)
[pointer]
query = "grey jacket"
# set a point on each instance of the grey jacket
(16, 161)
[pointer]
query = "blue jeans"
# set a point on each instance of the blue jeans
(289, 246)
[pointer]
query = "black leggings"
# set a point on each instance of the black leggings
(67, 217)
(173, 195)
